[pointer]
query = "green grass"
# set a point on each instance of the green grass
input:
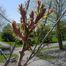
(53, 47)
(12, 44)
(64, 46)
(50, 48)
(46, 57)
(1, 36)
(1, 39)
(1, 46)
(2, 59)
(54, 39)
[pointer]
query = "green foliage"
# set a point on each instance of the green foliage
(7, 37)
(7, 34)
(40, 33)
(18, 43)
(8, 29)
(1, 36)
(1, 58)
(54, 39)
(64, 46)
(63, 30)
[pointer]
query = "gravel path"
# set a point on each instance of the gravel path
(34, 62)
(38, 61)
(4, 44)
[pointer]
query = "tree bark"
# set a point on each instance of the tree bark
(21, 55)
(59, 36)
(25, 45)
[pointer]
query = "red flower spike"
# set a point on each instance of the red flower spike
(15, 29)
(24, 25)
(32, 16)
(39, 2)
(14, 24)
(22, 12)
(31, 25)
(31, 20)
(17, 32)
(32, 28)
(40, 15)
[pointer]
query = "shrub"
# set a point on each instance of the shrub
(7, 37)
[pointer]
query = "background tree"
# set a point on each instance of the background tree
(59, 8)
(7, 28)
(7, 33)
(63, 29)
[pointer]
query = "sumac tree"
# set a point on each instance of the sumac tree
(28, 27)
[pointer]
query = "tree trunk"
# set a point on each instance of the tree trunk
(21, 56)
(25, 44)
(59, 36)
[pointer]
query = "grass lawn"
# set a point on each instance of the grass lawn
(54, 39)
(50, 48)
(47, 57)
(2, 59)
(12, 44)
(64, 46)
(1, 38)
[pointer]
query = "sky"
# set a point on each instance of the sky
(11, 7)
